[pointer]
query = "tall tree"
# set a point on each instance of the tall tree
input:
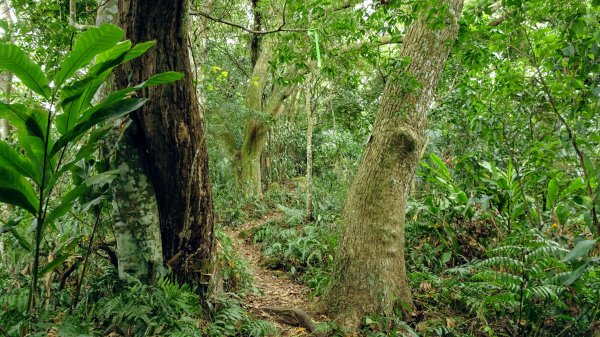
(135, 208)
(171, 135)
(370, 272)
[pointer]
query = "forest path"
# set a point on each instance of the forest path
(274, 287)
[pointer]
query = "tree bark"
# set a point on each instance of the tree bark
(309, 151)
(172, 134)
(6, 77)
(134, 206)
(370, 272)
(255, 135)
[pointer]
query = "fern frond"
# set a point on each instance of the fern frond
(259, 328)
(502, 279)
(546, 251)
(509, 251)
(502, 262)
(544, 292)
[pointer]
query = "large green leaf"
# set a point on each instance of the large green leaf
(552, 193)
(77, 98)
(442, 170)
(91, 43)
(573, 187)
(90, 146)
(575, 274)
(96, 115)
(11, 158)
(110, 58)
(66, 203)
(15, 190)
(54, 263)
(13, 59)
(119, 54)
(139, 49)
(25, 120)
(31, 127)
(10, 224)
(582, 248)
(162, 78)
(68, 200)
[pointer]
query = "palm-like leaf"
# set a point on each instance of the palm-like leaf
(13, 59)
(9, 157)
(97, 115)
(15, 190)
(91, 43)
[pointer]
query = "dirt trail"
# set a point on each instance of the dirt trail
(274, 287)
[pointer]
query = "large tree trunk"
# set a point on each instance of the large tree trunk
(172, 134)
(370, 272)
(135, 208)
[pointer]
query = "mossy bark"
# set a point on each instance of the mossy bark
(370, 273)
(255, 139)
(172, 135)
(135, 209)
(255, 135)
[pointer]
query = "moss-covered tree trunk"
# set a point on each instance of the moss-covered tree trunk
(255, 135)
(171, 134)
(370, 272)
(135, 209)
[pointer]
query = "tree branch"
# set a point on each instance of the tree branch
(250, 30)
(73, 16)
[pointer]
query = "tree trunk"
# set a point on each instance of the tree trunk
(6, 77)
(309, 150)
(255, 135)
(370, 272)
(172, 134)
(135, 209)
(6, 81)
(6, 86)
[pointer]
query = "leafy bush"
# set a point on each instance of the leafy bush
(50, 129)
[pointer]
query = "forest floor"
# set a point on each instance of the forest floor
(273, 288)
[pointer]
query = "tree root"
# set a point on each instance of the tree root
(295, 317)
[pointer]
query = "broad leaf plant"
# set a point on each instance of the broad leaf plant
(62, 127)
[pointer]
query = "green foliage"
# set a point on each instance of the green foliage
(527, 278)
(228, 318)
(304, 251)
(233, 270)
(382, 326)
(144, 310)
(30, 174)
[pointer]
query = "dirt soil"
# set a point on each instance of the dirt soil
(274, 288)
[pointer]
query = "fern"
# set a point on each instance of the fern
(259, 328)
(293, 216)
(525, 277)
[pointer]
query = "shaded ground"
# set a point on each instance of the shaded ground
(274, 287)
